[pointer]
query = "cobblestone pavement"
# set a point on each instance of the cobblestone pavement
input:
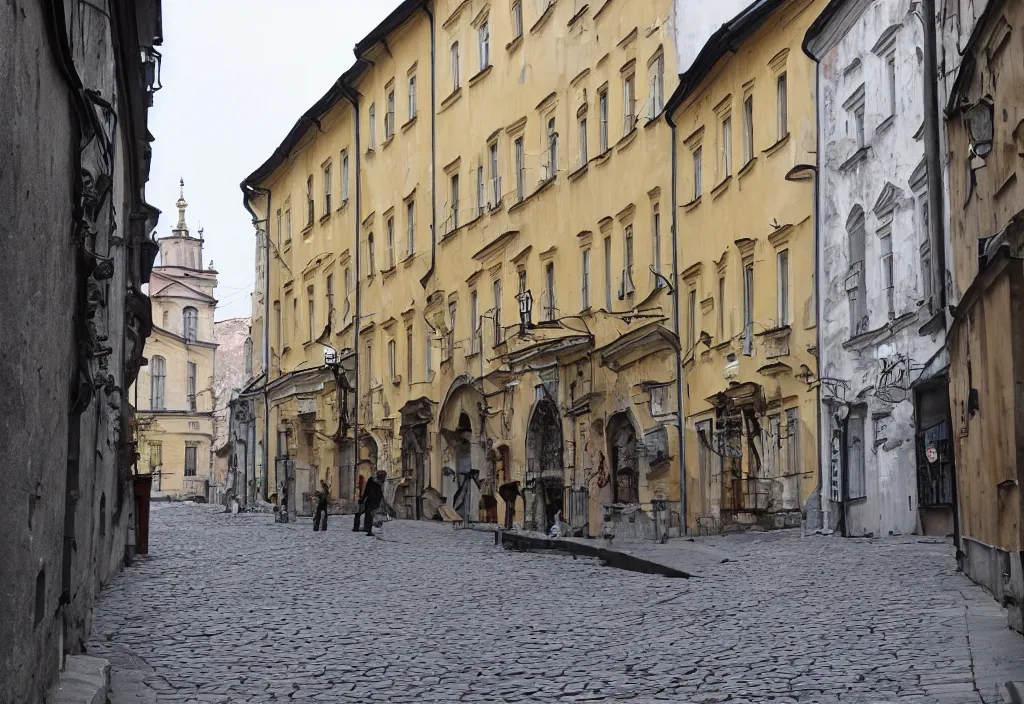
(238, 609)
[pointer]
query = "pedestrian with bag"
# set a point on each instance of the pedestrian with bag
(372, 498)
(323, 501)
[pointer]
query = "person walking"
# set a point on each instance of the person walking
(323, 501)
(370, 500)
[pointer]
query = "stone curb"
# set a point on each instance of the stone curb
(84, 680)
(611, 558)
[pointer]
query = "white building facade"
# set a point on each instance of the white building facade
(885, 453)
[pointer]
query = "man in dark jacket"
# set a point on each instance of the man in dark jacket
(323, 501)
(371, 499)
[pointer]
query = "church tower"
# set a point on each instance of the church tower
(181, 249)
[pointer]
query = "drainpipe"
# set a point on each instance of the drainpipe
(817, 295)
(433, 149)
(675, 325)
(247, 191)
(353, 98)
(932, 152)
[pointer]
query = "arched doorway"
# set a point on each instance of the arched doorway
(625, 463)
(545, 476)
(463, 448)
(464, 481)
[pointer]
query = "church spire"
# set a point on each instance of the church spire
(181, 229)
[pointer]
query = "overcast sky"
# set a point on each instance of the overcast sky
(237, 74)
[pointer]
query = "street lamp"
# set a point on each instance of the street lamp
(525, 310)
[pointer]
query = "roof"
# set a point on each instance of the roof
(841, 11)
(726, 40)
(342, 88)
(965, 75)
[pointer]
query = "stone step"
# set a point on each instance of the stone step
(84, 680)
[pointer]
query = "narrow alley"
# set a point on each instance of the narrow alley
(234, 608)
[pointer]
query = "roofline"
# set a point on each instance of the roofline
(726, 40)
(343, 87)
(820, 24)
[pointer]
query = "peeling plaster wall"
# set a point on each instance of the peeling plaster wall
(852, 369)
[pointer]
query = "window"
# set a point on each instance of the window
(455, 201)
(310, 204)
(391, 242)
(278, 326)
(522, 281)
(348, 292)
(156, 455)
(691, 317)
(855, 446)
(552, 149)
(726, 148)
(389, 118)
(748, 309)
(698, 185)
(344, 177)
(393, 360)
(602, 109)
(497, 312)
(474, 320)
(855, 284)
(157, 384)
(247, 352)
(412, 97)
(495, 178)
(926, 251)
(288, 225)
(408, 354)
(327, 188)
(330, 293)
(520, 170)
(456, 83)
(782, 259)
(627, 268)
(782, 99)
(369, 365)
(586, 279)
(191, 459)
(295, 313)
(452, 319)
(890, 74)
(629, 105)
(549, 282)
(429, 364)
(280, 231)
(190, 386)
(608, 273)
(656, 237)
(484, 40)
(410, 234)
(888, 280)
(721, 309)
(858, 121)
(372, 126)
(190, 323)
(481, 197)
(517, 19)
(583, 142)
(311, 310)
(748, 129)
(371, 254)
(657, 81)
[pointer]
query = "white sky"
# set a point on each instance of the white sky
(237, 74)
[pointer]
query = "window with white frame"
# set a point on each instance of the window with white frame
(327, 188)
(552, 146)
(481, 191)
(190, 324)
(348, 294)
(726, 159)
(389, 119)
(484, 41)
(310, 203)
(855, 280)
(371, 254)
(455, 201)
(372, 127)
(393, 360)
(628, 104)
(410, 228)
(720, 305)
(888, 274)
(748, 308)
(602, 109)
(311, 310)
(583, 140)
(495, 175)
(452, 321)
(391, 241)
(330, 292)
(498, 332)
(782, 105)
(157, 383)
(748, 129)
(890, 79)
(369, 366)
(627, 260)
(854, 107)
(517, 19)
(474, 321)
(698, 176)
(656, 240)
(782, 266)
(429, 356)
(608, 273)
(520, 169)
(657, 87)
(925, 248)
(456, 80)
(344, 177)
(408, 354)
(412, 97)
(550, 307)
(691, 317)
(585, 277)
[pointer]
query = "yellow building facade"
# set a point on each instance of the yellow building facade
(745, 144)
(486, 241)
(175, 388)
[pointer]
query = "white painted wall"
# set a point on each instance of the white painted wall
(891, 503)
(696, 21)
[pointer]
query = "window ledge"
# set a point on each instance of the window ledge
(307, 229)
(885, 124)
(541, 187)
(325, 217)
(407, 262)
(576, 18)
(472, 355)
(747, 168)
(857, 157)
(410, 122)
(692, 204)
(575, 175)
(651, 122)
(388, 272)
(602, 8)
(451, 235)
(497, 206)
(514, 44)
(721, 188)
(626, 140)
(344, 204)
(601, 158)
(286, 350)
(387, 142)
(783, 141)
(545, 16)
(480, 75)
(451, 99)
(370, 151)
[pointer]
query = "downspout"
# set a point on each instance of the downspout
(817, 295)
(933, 159)
(266, 322)
(675, 325)
(353, 98)
(433, 148)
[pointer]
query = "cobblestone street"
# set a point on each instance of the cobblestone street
(238, 609)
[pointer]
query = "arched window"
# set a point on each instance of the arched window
(855, 285)
(157, 381)
(190, 318)
(248, 357)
